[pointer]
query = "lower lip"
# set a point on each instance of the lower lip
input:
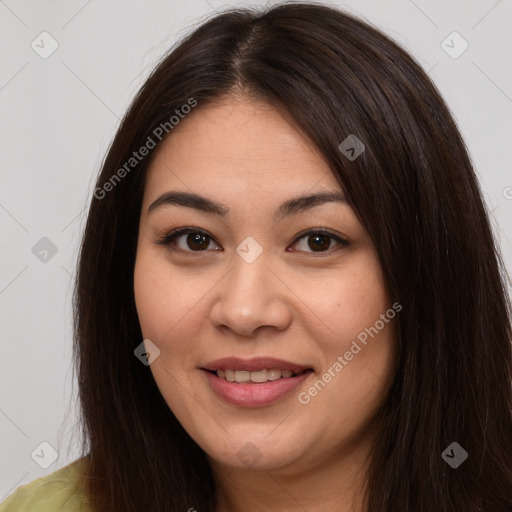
(251, 394)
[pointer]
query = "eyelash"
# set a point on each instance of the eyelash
(168, 238)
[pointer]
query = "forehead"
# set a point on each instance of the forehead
(237, 145)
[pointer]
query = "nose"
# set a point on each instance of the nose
(251, 296)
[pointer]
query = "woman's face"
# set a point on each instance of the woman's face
(256, 284)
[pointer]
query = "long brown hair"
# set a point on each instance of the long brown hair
(415, 191)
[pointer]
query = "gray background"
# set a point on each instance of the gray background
(59, 114)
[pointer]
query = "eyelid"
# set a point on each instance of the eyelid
(166, 239)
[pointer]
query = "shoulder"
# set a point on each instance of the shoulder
(62, 488)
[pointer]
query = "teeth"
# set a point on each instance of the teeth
(258, 376)
(242, 376)
(274, 374)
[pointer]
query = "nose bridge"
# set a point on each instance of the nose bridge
(249, 272)
(247, 289)
(251, 295)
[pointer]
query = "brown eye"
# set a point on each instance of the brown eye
(319, 241)
(197, 241)
(187, 240)
(194, 240)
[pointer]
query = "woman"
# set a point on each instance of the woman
(289, 296)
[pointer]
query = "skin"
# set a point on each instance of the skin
(294, 302)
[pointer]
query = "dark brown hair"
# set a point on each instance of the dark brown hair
(414, 190)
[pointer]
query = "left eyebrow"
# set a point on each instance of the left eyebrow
(290, 207)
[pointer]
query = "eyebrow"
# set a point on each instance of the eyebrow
(289, 207)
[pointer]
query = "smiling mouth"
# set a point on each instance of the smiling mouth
(257, 377)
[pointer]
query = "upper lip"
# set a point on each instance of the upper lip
(254, 364)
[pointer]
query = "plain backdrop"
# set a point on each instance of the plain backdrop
(59, 113)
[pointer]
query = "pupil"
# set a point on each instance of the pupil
(319, 245)
(197, 238)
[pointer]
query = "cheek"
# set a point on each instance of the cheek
(357, 341)
(157, 309)
(349, 307)
(169, 307)
(148, 296)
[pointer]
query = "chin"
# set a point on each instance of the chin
(253, 452)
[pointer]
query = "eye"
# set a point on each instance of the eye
(196, 240)
(320, 239)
